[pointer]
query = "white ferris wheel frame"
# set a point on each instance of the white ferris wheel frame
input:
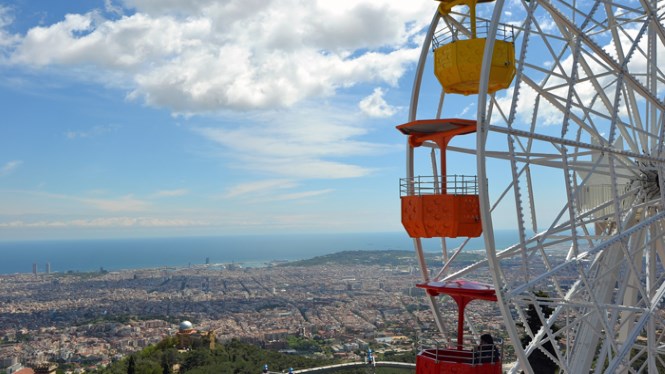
(617, 166)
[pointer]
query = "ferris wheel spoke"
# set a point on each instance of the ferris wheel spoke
(544, 335)
(550, 160)
(470, 269)
(639, 325)
(635, 118)
(660, 30)
(457, 24)
(548, 337)
(495, 105)
(554, 160)
(577, 305)
(622, 6)
(559, 141)
(638, 132)
(543, 70)
(579, 34)
(575, 261)
(557, 101)
(519, 211)
(451, 260)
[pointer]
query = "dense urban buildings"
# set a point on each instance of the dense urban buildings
(93, 318)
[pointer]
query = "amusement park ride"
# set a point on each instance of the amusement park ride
(569, 136)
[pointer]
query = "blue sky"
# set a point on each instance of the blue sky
(160, 118)
(132, 118)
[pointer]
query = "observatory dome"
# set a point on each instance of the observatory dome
(186, 325)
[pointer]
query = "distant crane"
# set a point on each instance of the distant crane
(211, 337)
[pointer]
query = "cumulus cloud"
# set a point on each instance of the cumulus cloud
(6, 18)
(9, 167)
(200, 56)
(375, 105)
(277, 58)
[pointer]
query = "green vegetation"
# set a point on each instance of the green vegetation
(127, 318)
(383, 258)
(378, 370)
(640, 362)
(399, 356)
(304, 344)
(231, 357)
(358, 258)
(539, 361)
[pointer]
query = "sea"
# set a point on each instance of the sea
(249, 251)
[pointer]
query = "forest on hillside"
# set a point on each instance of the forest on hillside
(233, 357)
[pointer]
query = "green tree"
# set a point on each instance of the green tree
(167, 366)
(539, 361)
(148, 366)
(131, 365)
(196, 358)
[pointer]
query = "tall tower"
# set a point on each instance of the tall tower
(34, 268)
(48, 268)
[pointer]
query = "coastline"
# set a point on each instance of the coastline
(144, 253)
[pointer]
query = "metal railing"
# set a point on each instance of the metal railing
(431, 185)
(451, 34)
(467, 354)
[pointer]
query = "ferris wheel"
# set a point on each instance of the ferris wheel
(566, 148)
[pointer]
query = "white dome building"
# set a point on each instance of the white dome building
(186, 335)
(185, 326)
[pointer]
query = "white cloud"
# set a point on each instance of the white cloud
(6, 19)
(586, 94)
(304, 143)
(171, 193)
(301, 195)
(106, 222)
(122, 204)
(203, 55)
(92, 132)
(466, 110)
(259, 187)
(375, 105)
(127, 203)
(309, 168)
(9, 167)
(270, 190)
(109, 7)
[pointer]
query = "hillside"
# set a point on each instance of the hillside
(382, 258)
(231, 357)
